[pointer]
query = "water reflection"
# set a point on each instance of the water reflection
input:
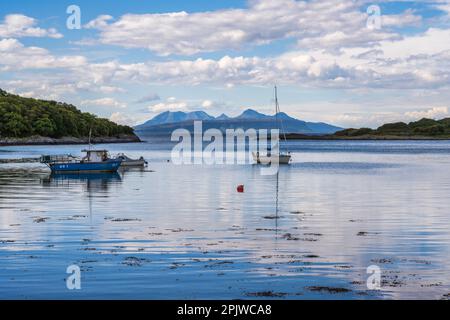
(124, 171)
(91, 181)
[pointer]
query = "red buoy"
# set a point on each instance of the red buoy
(240, 188)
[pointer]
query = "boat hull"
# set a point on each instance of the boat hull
(86, 167)
(133, 163)
(264, 159)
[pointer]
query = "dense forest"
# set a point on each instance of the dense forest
(422, 128)
(25, 117)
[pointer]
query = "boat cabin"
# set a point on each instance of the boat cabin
(95, 155)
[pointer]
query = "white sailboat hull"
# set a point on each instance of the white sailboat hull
(268, 159)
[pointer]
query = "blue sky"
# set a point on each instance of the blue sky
(132, 59)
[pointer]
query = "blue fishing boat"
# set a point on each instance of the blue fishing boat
(93, 161)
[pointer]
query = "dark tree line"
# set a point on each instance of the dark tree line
(24, 117)
(423, 127)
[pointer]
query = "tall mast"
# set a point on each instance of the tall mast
(90, 134)
(277, 110)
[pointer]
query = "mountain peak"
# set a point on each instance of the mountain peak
(283, 116)
(251, 114)
(177, 116)
(198, 115)
(223, 116)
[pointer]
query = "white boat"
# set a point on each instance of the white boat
(129, 162)
(283, 157)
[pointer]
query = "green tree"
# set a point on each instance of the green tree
(44, 127)
(15, 125)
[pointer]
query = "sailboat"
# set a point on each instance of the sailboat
(282, 157)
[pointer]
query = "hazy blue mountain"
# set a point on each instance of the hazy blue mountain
(174, 117)
(223, 116)
(168, 121)
(283, 116)
(321, 127)
(198, 115)
(251, 114)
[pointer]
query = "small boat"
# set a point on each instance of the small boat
(282, 157)
(129, 162)
(93, 161)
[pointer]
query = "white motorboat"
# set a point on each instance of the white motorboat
(129, 162)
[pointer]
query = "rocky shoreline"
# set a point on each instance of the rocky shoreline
(38, 140)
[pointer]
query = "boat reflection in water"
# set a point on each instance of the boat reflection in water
(92, 185)
(92, 181)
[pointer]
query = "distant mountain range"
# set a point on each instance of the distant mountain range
(168, 121)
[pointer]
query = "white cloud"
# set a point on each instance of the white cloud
(50, 89)
(317, 22)
(128, 119)
(104, 102)
(174, 104)
(100, 22)
(348, 69)
(444, 6)
(122, 119)
(378, 118)
(433, 113)
(19, 25)
(328, 32)
(207, 104)
(432, 41)
(110, 89)
(407, 18)
(14, 55)
(171, 104)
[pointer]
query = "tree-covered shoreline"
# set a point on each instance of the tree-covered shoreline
(423, 129)
(22, 117)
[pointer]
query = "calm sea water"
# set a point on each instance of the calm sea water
(183, 232)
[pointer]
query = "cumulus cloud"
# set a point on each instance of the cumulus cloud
(19, 25)
(433, 113)
(174, 104)
(104, 102)
(407, 18)
(336, 49)
(207, 104)
(427, 43)
(316, 22)
(123, 119)
(13, 54)
(100, 22)
(171, 104)
(347, 69)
